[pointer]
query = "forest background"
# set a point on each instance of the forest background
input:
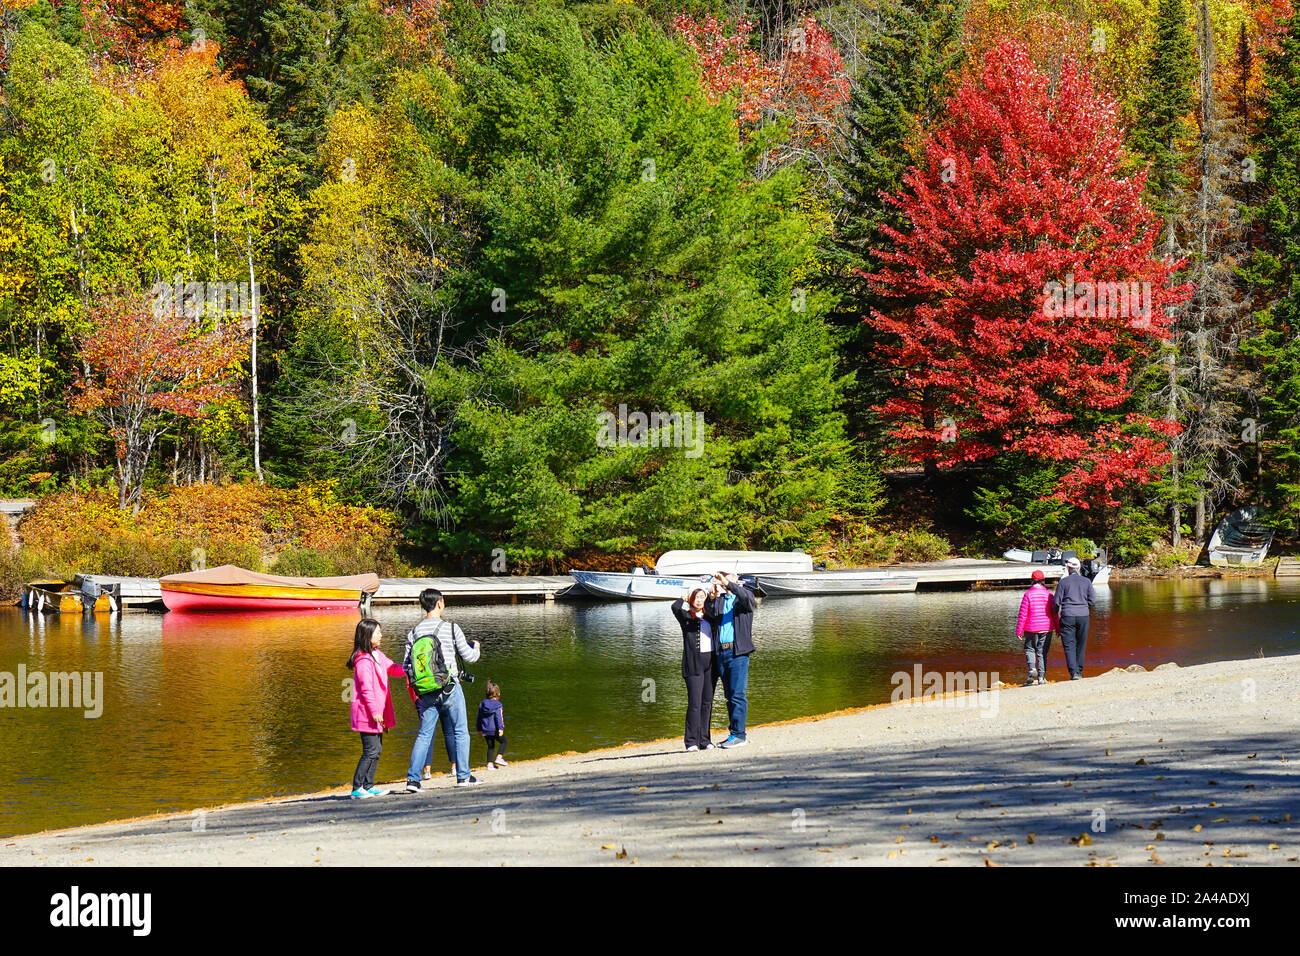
(323, 286)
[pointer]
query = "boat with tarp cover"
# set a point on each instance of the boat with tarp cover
(231, 588)
(1242, 539)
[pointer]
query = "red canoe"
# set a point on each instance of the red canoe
(229, 588)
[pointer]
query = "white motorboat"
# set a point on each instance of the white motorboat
(1097, 569)
(638, 585)
(865, 581)
(687, 563)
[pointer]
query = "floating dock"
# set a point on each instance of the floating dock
(145, 594)
(976, 572)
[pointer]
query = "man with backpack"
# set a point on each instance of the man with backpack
(430, 663)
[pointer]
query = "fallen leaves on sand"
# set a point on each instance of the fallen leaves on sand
(988, 862)
(1141, 762)
(1197, 828)
(1031, 838)
(1081, 840)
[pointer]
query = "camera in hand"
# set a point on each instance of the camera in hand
(467, 678)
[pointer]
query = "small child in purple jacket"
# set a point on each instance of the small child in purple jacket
(492, 724)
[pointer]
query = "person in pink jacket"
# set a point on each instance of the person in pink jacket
(372, 706)
(1037, 620)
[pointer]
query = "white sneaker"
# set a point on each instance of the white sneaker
(692, 749)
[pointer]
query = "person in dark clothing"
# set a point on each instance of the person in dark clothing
(492, 724)
(698, 669)
(1074, 596)
(732, 610)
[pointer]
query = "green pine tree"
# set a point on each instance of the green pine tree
(899, 84)
(302, 58)
(1276, 348)
(1163, 132)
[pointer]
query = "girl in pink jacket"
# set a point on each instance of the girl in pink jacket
(1037, 620)
(372, 707)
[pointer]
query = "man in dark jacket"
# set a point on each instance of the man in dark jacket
(1074, 596)
(733, 613)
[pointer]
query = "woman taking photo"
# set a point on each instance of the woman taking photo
(697, 667)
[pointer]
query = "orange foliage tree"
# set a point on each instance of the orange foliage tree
(806, 85)
(144, 369)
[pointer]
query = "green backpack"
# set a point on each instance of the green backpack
(427, 668)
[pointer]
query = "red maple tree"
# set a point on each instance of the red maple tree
(1020, 211)
(144, 367)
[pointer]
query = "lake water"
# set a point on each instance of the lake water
(205, 709)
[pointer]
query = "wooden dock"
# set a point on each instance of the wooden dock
(977, 572)
(952, 574)
(145, 593)
(1287, 568)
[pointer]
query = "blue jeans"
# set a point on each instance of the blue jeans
(450, 712)
(734, 670)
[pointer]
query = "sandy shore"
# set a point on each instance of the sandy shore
(1188, 766)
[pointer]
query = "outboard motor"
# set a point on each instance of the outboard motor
(1093, 566)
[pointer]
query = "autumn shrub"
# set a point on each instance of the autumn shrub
(329, 561)
(16, 568)
(917, 544)
(878, 548)
(181, 528)
(1167, 557)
